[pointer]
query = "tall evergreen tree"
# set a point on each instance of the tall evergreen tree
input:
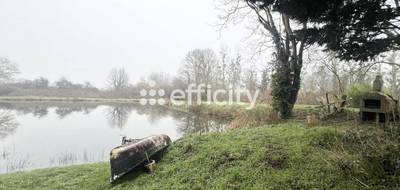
(354, 29)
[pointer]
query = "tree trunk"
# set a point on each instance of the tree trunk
(285, 87)
(289, 58)
(286, 79)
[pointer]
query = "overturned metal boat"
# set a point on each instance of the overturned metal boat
(135, 152)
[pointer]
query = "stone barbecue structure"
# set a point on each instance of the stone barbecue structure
(379, 107)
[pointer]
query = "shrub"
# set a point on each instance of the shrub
(368, 154)
(356, 92)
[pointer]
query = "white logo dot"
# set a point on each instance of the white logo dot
(161, 92)
(161, 101)
(152, 102)
(152, 92)
(143, 101)
(143, 92)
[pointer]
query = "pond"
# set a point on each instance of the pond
(50, 134)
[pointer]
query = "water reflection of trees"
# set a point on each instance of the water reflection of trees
(187, 123)
(190, 123)
(41, 109)
(37, 110)
(64, 111)
(118, 115)
(8, 124)
(154, 113)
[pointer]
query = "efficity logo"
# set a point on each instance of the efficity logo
(152, 96)
(197, 94)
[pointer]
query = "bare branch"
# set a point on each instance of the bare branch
(8, 70)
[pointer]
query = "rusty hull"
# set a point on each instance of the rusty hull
(127, 157)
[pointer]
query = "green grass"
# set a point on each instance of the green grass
(234, 110)
(283, 156)
(240, 116)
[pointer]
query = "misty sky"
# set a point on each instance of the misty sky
(83, 39)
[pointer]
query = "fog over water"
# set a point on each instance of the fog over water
(93, 36)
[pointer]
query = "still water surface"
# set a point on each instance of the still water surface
(43, 135)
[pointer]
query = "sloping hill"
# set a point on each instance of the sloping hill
(283, 156)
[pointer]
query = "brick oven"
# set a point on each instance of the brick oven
(379, 108)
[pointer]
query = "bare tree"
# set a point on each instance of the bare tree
(327, 73)
(199, 67)
(89, 86)
(265, 80)
(118, 79)
(64, 83)
(8, 70)
(393, 79)
(41, 83)
(288, 45)
(162, 80)
(235, 72)
(250, 78)
(222, 70)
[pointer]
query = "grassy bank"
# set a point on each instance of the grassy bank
(282, 156)
(233, 111)
(240, 116)
(65, 99)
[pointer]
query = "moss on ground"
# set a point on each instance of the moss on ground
(283, 156)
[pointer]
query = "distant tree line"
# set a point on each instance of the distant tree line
(221, 70)
(323, 73)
